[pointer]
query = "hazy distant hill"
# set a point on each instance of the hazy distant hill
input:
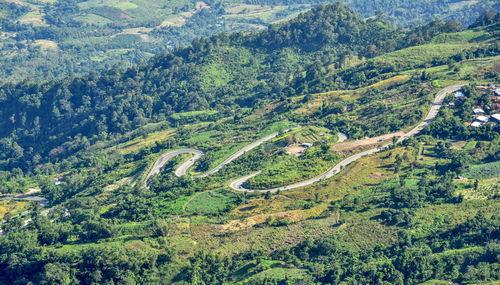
(43, 39)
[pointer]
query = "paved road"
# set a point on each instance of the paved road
(182, 169)
(436, 105)
(242, 151)
(160, 162)
(42, 200)
(438, 101)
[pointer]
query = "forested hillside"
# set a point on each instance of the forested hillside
(47, 39)
(94, 187)
(53, 119)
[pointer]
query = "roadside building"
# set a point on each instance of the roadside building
(478, 111)
(482, 119)
(495, 118)
(459, 95)
(495, 102)
(475, 124)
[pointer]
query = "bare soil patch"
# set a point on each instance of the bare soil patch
(296, 149)
(351, 145)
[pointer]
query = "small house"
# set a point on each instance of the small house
(478, 111)
(475, 124)
(459, 95)
(482, 119)
(306, 145)
(495, 118)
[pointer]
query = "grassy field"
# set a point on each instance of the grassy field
(211, 202)
(289, 170)
(254, 273)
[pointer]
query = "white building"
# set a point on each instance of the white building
(475, 124)
(478, 111)
(459, 95)
(482, 119)
(495, 118)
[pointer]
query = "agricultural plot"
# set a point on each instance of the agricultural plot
(486, 189)
(319, 99)
(178, 116)
(309, 135)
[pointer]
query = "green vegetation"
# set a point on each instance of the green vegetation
(289, 169)
(89, 33)
(487, 170)
(212, 202)
(405, 215)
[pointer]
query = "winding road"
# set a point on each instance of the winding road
(238, 183)
(160, 162)
(182, 169)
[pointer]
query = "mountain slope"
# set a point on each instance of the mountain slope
(236, 68)
(219, 73)
(421, 211)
